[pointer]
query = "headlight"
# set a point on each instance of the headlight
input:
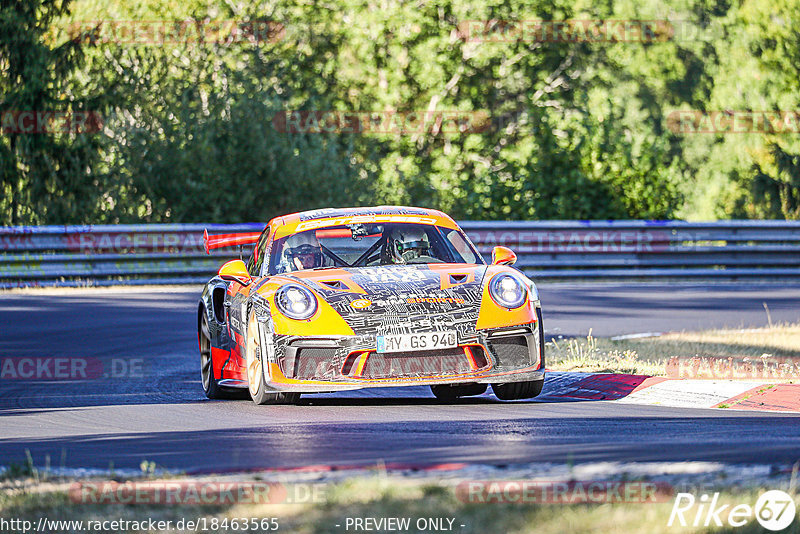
(507, 291)
(296, 302)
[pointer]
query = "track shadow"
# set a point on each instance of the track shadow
(569, 436)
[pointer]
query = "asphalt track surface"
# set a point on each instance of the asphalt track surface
(159, 413)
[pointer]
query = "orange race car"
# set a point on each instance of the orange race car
(340, 299)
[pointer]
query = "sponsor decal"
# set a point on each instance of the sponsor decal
(393, 274)
(432, 322)
(363, 219)
(360, 304)
(326, 213)
(435, 300)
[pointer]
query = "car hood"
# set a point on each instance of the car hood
(401, 299)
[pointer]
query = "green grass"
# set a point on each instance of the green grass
(776, 345)
(381, 496)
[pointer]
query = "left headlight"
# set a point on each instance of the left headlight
(507, 291)
(296, 302)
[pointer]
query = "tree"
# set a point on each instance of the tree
(46, 175)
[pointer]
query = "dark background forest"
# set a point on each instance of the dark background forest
(560, 126)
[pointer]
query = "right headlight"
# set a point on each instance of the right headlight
(296, 302)
(508, 291)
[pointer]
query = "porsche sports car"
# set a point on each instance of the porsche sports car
(341, 299)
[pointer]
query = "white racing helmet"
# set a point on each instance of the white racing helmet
(408, 243)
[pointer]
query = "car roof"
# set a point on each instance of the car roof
(307, 220)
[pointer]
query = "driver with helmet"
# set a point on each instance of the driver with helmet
(408, 244)
(302, 251)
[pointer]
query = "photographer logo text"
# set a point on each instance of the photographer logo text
(774, 510)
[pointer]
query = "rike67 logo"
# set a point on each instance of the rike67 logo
(774, 510)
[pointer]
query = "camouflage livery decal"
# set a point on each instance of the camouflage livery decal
(405, 299)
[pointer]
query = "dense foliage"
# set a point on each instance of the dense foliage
(550, 127)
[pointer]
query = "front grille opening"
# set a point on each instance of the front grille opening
(350, 361)
(478, 356)
(416, 363)
(312, 362)
(511, 351)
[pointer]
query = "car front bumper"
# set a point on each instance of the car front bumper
(312, 364)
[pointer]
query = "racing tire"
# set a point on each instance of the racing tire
(211, 386)
(450, 393)
(256, 384)
(518, 390)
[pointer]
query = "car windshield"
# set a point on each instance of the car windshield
(360, 245)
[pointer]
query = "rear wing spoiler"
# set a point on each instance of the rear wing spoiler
(229, 240)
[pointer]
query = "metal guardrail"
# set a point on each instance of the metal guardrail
(101, 255)
(174, 253)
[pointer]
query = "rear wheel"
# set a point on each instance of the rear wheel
(211, 386)
(449, 393)
(518, 390)
(255, 370)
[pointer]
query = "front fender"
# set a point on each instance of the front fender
(212, 304)
(492, 315)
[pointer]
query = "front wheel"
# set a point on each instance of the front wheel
(255, 370)
(518, 390)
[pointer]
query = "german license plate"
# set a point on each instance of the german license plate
(412, 342)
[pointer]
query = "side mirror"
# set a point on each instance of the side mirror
(503, 256)
(236, 271)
